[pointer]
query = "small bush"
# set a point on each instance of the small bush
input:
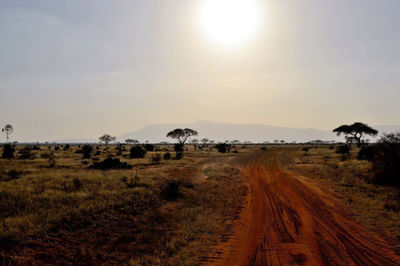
(149, 147)
(156, 158)
(170, 190)
(137, 152)
(26, 153)
(167, 156)
(385, 165)
(366, 153)
(306, 149)
(110, 163)
(263, 148)
(10, 175)
(87, 151)
(66, 147)
(8, 151)
(221, 147)
(343, 149)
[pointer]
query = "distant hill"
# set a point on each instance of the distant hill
(225, 131)
(218, 131)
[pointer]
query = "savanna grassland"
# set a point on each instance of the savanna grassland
(375, 206)
(56, 209)
(252, 204)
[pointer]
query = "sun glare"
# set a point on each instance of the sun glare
(229, 22)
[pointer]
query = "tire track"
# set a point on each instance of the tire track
(288, 221)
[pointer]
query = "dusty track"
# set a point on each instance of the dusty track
(288, 220)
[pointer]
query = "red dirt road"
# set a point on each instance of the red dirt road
(288, 220)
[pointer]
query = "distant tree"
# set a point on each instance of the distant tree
(276, 141)
(235, 141)
(205, 141)
(282, 141)
(195, 141)
(106, 138)
(211, 141)
(355, 132)
(131, 141)
(181, 135)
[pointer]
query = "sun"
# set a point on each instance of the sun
(229, 22)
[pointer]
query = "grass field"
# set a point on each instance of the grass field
(54, 209)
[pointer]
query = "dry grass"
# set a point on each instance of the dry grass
(71, 214)
(377, 207)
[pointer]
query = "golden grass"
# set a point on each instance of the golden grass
(72, 214)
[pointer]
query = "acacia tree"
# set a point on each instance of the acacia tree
(204, 141)
(106, 138)
(181, 135)
(355, 132)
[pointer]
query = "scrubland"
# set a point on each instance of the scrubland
(55, 209)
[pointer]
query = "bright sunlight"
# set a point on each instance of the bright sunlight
(229, 22)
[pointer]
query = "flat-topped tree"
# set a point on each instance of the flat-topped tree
(106, 138)
(355, 132)
(181, 135)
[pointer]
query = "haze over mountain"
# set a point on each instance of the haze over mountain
(227, 131)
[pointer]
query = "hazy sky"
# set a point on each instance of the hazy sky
(83, 68)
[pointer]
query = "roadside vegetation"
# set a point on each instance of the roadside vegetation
(366, 178)
(116, 204)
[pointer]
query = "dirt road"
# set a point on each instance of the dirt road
(288, 220)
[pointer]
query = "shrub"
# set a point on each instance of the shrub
(385, 165)
(66, 147)
(137, 152)
(8, 151)
(111, 163)
(306, 149)
(170, 190)
(149, 147)
(366, 153)
(156, 158)
(11, 174)
(56, 148)
(343, 149)
(26, 153)
(221, 147)
(263, 148)
(87, 151)
(167, 156)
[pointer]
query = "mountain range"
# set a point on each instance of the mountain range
(256, 133)
(218, 131)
